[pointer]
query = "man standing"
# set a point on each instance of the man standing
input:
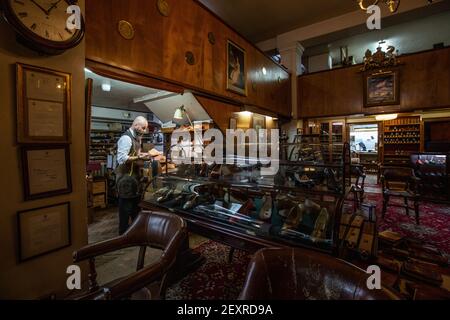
(128, 172)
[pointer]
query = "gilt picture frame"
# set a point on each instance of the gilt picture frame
(381, 88)
(236, 69)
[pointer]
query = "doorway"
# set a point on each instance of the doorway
(364, 146)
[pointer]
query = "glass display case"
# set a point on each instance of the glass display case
(300, 206)
(433, 170)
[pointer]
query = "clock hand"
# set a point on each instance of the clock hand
(53, 6)
(40, 7)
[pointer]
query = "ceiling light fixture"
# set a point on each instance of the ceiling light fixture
(106, 87)
(386, 117)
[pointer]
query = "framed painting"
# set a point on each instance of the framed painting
(236, 69)
(381, 89)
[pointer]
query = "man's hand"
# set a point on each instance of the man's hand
(133, 159)
(145, 156)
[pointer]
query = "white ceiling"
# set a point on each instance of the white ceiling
(159, 102)
(122, 94)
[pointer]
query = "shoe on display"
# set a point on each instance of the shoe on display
(266, 210)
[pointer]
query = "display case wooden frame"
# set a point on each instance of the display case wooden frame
(60, 171)
(49, 92)
(32, 235)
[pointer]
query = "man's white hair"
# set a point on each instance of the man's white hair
(139, 121)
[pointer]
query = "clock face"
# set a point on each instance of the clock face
(42, 23)
(45, 18)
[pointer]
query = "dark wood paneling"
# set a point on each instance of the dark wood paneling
(160, 44)
(424, 84)
(331, 93)
(425, 80)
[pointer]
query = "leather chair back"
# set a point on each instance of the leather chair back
(397, 178)
(298, 274)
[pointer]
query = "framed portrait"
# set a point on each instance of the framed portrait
(46, 171)
(258, 122)
(44, 230)
(43, 105)
(381, 89)
(236, 69)
(233, 124)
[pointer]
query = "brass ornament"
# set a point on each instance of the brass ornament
(211, 38)
(190, 58)
(163, 8)
(126, 30)
(254, 86)
(363, 7)
(392, 4)
(380, 59)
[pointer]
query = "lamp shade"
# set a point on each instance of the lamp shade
(179, 113)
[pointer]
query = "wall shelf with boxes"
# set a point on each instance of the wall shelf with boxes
(330, 132)
(401, 138)
(97, 192)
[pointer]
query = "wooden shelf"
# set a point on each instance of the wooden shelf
(407, 143)
(400, 131)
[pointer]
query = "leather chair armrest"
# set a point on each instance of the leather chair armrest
(133, 283)
(98, 249)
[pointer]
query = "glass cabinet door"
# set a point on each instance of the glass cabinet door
(338, 132)
(325, 132)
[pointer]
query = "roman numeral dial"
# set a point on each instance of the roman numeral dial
(42, 24)
(45, 18)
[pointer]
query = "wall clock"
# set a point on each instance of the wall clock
(41, 24)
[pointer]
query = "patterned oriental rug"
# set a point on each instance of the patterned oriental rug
(434, 225)
(216, 279)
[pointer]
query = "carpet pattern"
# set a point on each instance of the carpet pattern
(216, 279)
(434, 225)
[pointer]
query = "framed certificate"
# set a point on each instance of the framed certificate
(43, 105)
(43, 230)
(46, 171)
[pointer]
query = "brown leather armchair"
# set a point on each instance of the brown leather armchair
(299, 274)
(157, 230)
